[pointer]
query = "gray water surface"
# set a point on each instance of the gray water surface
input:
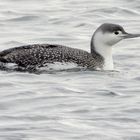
(70, 105)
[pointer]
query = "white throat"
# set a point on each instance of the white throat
(107, 55)
(105, 51)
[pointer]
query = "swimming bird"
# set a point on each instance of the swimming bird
(40, 55)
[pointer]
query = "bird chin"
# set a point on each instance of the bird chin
(114, 42)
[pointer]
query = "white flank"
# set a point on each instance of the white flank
(59, 66)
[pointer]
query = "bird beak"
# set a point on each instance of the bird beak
(127, 35)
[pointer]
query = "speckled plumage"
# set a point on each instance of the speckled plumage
(39, 55)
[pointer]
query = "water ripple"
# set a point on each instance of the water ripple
(75, 103)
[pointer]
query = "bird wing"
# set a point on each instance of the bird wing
(39, 54)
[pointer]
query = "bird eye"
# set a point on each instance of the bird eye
(116, 32)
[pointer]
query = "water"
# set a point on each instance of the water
(70, 105)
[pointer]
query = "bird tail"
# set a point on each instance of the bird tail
(2, 57)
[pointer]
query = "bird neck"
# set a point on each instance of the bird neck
(104, 51)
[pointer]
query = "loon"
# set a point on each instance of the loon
(40, 55)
